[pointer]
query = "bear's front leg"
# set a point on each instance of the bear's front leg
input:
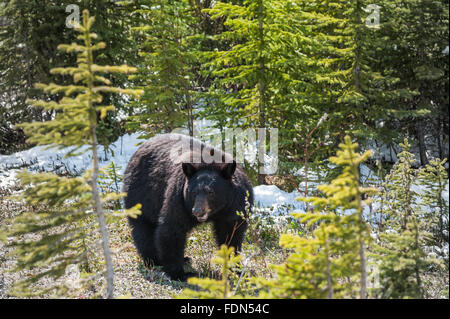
(230, 232)
(170, 241)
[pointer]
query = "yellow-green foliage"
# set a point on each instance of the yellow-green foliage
(435, 179)
(331, 262)
(77, 110)
(211, 288)
(53, 233)
(402, 251)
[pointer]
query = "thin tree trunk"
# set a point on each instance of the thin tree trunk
(187, 95)
(167, 75)
(95, 194)
(37, 112)
(440, 135)
(101, 219)
(329, 282)
(441, 211)
(420, 121)
(417, 271)
(422, 145)
(363, 281)
(261, 86)
(190, 110)
(357, 69)
(362, 254)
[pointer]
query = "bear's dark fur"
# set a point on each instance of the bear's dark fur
(178, 194)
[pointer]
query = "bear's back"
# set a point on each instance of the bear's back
(147, 174)
(150, 170)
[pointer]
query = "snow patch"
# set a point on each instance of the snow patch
(269, 197)
(280, 202)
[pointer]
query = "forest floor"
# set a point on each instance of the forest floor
(132, 278)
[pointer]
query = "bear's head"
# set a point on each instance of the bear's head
(208, 188)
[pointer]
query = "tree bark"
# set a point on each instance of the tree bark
(95, 194)
(422, 145)
(419, 123)
(329, 282)
(101, 220)
(261, 87)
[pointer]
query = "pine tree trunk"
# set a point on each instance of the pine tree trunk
(440, 135)
(419, 124)
(329, 282)
(362, 254)
(421, 139)
(441, 211)
(170, 107)
(101, 219)
(261, 87)
(363, 282)
(261, 155)
(417, 260)
(357, 69)
(95, 194)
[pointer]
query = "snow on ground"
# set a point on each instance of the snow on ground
(38, 159)
(51, 160)
(279, 201)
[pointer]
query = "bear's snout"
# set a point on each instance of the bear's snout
(200, 214)
(201, 208)
(177, 195)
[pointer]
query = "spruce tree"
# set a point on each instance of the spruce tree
(28, 42)
(364, 90)
(412, 41)
(64, 211)
(254, 74)
(434, 178)
(289, 63)
(165, 74)
(331, 263)
(424, 69)
(402, 257)
(434, 181)
(211, 288)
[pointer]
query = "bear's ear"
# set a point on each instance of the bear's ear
(228, 170)
(189, 169)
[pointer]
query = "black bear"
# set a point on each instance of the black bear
(182, 182)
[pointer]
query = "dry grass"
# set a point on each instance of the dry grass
(132, 278)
